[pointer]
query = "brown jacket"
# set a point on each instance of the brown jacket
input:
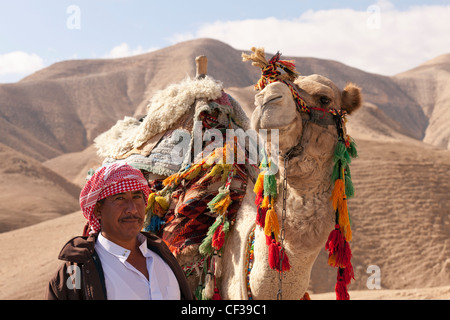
(81, 276)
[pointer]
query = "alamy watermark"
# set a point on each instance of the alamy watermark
(373, 21)
(242, 147)
(374, 280)
(73, 21)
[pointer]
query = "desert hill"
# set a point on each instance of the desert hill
(400, 212)
(429, 85)
(30, 192)
(62, 108)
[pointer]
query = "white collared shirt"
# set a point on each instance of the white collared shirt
(125, 282)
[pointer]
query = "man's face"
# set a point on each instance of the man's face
(122, 215)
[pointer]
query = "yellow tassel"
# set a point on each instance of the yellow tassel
(222, 206)
(162, 201)
(193, 172)
(332, 260)
(338, 193)
(259, 184)
(216, 170)
(265, 202)
(271, 224)
(151, 201)
(170, 179)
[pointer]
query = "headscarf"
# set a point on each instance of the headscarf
(107, 181)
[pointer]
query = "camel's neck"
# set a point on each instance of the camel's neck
(309, 213)
(306, 176)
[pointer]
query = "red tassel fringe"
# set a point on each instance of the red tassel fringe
(216, 295)
(341, 288)
(218, 239)
(261, 216)
(275, 253)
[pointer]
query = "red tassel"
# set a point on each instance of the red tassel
(274, 255)
(216, 295)
(345, 260)
(218, 238)
(259, 198)
(341, 288)
(348, 274)
(335, 241)
(286, 266)
(261, 217)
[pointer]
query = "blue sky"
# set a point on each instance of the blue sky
(378, 36)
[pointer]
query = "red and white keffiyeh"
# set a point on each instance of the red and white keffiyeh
(107, 181)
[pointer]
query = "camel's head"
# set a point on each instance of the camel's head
(318, 102)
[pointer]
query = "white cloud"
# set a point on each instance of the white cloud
(380, 39)
(123, 50)
(19, 63)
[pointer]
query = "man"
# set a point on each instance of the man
(117, 261)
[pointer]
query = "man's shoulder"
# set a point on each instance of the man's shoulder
(78, 249)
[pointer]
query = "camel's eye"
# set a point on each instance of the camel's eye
(324, 100)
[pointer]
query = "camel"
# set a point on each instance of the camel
(307, 142)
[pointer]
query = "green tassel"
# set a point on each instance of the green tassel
(341, 154)
(198, 292)
(349, 190)
(226, 226)
(336, 173)
(270, 185)
(352, 150)
(206, 248)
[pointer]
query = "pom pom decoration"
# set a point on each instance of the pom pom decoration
(337, 245)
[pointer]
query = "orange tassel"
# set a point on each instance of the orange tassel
(306, 296)
(271, 224)
(259, 184)
(348, 233)
(343, 213)
(338, 193)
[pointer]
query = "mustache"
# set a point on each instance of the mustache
(132, 217)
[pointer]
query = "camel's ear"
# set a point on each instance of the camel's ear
(351, 98)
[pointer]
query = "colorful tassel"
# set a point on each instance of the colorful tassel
(335, 241)
(338, 193)
(151, 201)
(259, 184)
(193, 172)
(271, 224)
(220, 203)
(274, 255)
(352, 149)
(341, 289)
(261, 216)
(155, 224)
(285, 265)
(270, 185)
(216, 295)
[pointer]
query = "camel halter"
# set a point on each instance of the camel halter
(265, 188)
